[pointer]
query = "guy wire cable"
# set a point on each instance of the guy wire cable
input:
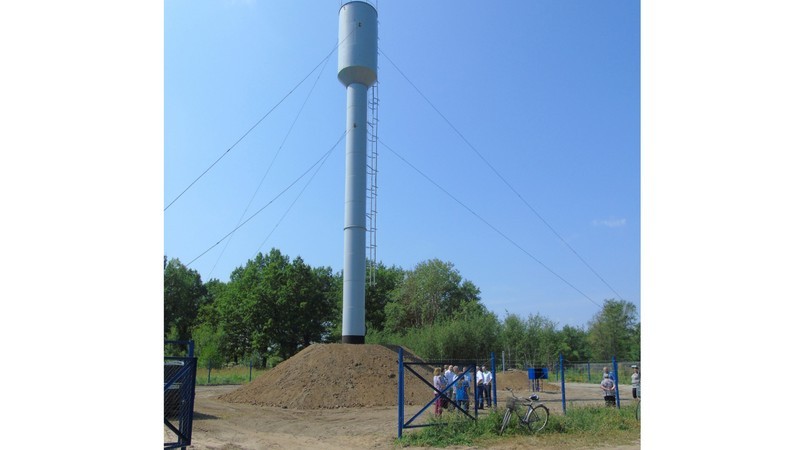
(321, 159)
(489, 224)
(300, 194)
(272, 162)
(499, 175)
(325, 59)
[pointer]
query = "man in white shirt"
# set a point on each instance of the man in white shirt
(488, 378)
(480, 391)
(450, 378)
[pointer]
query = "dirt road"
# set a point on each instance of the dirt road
(228, 426)
(221, 425)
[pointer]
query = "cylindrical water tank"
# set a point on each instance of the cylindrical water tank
(358, 43)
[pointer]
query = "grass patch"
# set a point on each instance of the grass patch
(453, 429)
(226, 375)
(581, 427)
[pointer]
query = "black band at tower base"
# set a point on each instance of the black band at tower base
(352, 339)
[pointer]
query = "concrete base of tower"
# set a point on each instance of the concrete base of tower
(352, 339)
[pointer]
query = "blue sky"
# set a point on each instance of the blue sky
(547, 93)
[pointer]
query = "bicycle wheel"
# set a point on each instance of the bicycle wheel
(536, 418)
(506, 420)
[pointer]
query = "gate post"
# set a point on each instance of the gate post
(475, 386)
(494, 382)
(616, 378)
(400, 394)
(563, 385)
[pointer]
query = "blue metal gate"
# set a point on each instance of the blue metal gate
(403, 365)
(179, 380)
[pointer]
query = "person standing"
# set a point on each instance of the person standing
(462, 391)
(453, 387)
(439, 385)
(488, 378)
(445, 394)
(479, 376)
(449, 374)
(607, 385)
(637, 391)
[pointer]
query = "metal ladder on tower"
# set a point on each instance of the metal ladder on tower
(372, 184)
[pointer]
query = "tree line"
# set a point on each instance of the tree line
(273, 307)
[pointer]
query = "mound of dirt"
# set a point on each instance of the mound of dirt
(335, 376)
(519, 382)
(347, 375)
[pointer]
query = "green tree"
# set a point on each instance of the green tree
(512, 339)
(635, 348)
(612, 331)
(377, 295)
(542, 338)
(433, 290)
(208, 346)
(274, 306)
(184, 295)
(208, 313)
(231, 316)
(335, 296)
(308, 312)
(472, 333)
(573, 343)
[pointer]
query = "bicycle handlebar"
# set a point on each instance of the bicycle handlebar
(531, 399)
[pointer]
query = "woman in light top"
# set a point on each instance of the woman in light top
(439, 383)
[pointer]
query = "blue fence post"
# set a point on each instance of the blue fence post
(616, 379)
(563, 385)
(589, 371)
(209, 371)
(475, 387)
(400, 395)
(251, 370)
(191, 349)
(494, 383)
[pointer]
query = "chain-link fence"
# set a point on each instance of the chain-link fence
(209, 373)
(578, 383)
(592, 371)
(574, 371)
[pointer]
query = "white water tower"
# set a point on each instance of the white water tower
(358, 70)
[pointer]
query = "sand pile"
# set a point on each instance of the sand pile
(519, 382)
(335, 376)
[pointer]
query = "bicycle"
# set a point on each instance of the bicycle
(535, 417)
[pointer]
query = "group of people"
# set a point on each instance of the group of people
(608, 386)
(443, 381)
(460, 390)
